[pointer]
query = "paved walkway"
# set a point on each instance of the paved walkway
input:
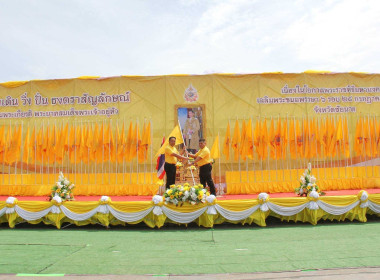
(367, 273)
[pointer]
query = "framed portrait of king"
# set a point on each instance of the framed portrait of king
(192, 119)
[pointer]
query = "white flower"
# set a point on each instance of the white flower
(167, 199)
(66, 182)
(302, 179)
(210, 198)
(204, 190)
(186, 194)
(313, 179)
(57, 199)
(175, 201)
(192, 203)
(193, 196)
(59, 185)
(301, 190)
(156, 199)
(309, 166)
(184, 198)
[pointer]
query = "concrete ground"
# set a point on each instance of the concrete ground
(366, 273)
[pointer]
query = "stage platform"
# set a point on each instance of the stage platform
(237, 209)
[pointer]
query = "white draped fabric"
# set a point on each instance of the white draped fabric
(187, 217)
(31, 216)
(129, 217)
(336, 210)
(234, 215)
(286, 211)
(183, 218)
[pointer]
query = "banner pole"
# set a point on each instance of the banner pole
(220, 173)
(151, 150)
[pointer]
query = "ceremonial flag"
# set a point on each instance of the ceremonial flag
(32, 145)
(145, 141)
(300, 141)
(25, 156)
(256, 138)
(264, 139)
(372, 131)
(129, 143)
(278, 140)
(358, 146)
(292, 139)
(366, 138)
(121, 144)
(214, 153)
(247, 144)
(161, 163)
(2, 144)
(284, 139)
(271, 139)
(346, 139)
(227, 141)
(242, 139)
(176, 132)
(236, 140)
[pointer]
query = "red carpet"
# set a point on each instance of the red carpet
(224, 197)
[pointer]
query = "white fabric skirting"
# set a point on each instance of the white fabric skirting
(185, 218)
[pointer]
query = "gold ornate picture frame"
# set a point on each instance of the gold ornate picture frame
(182, 114)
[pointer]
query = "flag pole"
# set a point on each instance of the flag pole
(151, 150)
(220, 173)
(183, 140)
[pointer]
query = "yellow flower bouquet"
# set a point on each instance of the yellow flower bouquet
(178, 194)
(63, 188)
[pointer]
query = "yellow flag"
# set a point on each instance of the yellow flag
(227, 141)
(372, 130)
(25, 156)
(214, 153)
(2, 143)
(121, 145)
(284, 139)
(145, 142)
(292, 139)
(33, 147)
(256, 138)
(236, 140)
(358, 145)
(272, 140)
(128, 144)
(264, 140)
(346, 138)
(176, 132)
(242, 139)
(247, 150)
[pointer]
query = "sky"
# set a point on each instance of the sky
(51, 39)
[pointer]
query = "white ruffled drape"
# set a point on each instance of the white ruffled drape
(234, 215)
(184, 218)
(130, 217)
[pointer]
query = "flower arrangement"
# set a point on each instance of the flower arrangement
(307, 183)
(63, 188)
(178, 194)
(178, 164)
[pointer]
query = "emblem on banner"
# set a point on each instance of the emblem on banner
(191, 94)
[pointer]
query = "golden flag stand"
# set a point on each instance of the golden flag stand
(183, 140)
